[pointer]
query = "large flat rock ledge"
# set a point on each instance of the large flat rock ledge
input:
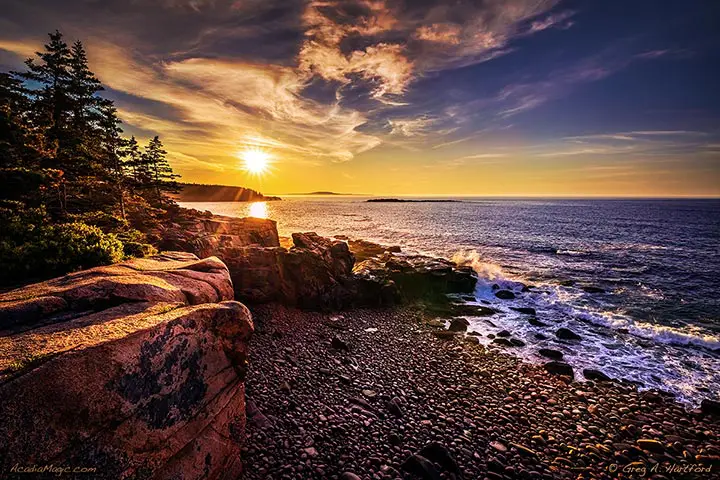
(135, 369)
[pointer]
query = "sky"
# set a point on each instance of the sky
(409, 97)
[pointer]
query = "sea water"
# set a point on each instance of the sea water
(638, 280)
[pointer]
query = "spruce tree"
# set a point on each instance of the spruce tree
(13, 108)
(50, 101)
(113, 161)
(162, 176)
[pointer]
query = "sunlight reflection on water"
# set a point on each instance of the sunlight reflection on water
(258, 210)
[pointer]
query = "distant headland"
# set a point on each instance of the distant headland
(195, 192)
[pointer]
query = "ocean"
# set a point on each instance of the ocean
(638, 280)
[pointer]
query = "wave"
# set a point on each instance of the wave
(563, 298)
(472, 258)
(687, 336)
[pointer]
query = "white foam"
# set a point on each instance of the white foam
(472, 258)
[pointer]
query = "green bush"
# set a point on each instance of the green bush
(106, 221)
(38, 251)
(135, 249)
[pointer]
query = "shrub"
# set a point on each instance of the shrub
(135, 249)
(106, 221)
(37, 251)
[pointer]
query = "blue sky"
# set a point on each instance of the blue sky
(516, 97)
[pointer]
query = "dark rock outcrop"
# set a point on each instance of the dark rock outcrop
(362, 249)
(566, 334)
(136, 369)
(559, 368)
(710, 407)
(458, 325)
(315, 272)
(415, 277)
(505, 295)
(550, 353)
(593, 374)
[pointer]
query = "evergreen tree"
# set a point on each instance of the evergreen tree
(13, 106)
(50, 101)
(113, 152)
(83, 89)
(162, 176)
(135, 162)
(65, 168)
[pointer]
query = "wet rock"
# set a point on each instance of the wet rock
(502, 342)
(417, 277)
(438, 453)
(435, 323)
(499, 446)
(445, 310)
(566, 334)
(550, 353)
(445, 334)
(524, 310)
(505, 295)
(369, 393)
(592, 289)
(362, 249)
(516, 342)
(394, 407)
(559, 368)
(540, 336)
(651, 445)
(349, 476)
(523, 450)
(339, 344)
(504, 334)
(458, 325)
(710, 407)
(536, 323)
(592, 374)
(420, 466)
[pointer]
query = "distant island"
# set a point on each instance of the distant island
(405, 200)
(195, 192)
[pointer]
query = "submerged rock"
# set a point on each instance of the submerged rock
(550, 353)
(505, 295)
(566, 334)
(536, 323)
(503, 342)
(524, 310)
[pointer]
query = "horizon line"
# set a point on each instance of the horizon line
(512, 195)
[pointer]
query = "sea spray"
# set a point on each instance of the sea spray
(472, 258)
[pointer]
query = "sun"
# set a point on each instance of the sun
(255, 160)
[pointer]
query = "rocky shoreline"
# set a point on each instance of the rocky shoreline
(377, 394)
(360, 366)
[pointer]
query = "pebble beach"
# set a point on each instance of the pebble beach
(386, 394)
